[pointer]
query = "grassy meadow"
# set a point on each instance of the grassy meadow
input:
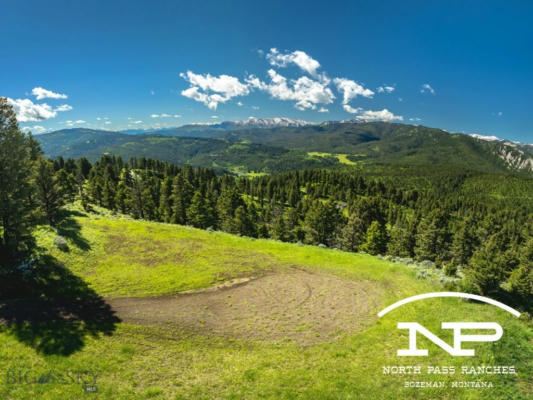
(117, 257)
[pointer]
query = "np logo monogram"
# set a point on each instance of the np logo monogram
(458, 328)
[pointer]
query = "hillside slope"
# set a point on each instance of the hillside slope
(282, 344)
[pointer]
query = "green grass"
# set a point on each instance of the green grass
(136, 258)
(343, 158)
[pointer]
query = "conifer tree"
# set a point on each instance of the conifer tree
(49, 193)
(15, 186)
(376, 239)
(352, 234)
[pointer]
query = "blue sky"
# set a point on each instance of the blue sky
(464, 66)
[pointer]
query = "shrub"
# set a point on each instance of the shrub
(61, 243)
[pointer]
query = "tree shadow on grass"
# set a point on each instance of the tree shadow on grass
(69, 228)
(48, 308)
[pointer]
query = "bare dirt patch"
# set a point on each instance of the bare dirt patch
(296, 306)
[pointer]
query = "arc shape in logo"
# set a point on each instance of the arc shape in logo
(448, 294)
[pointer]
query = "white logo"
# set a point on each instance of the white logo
(458, 336)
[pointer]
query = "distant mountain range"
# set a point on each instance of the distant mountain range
(279, 144)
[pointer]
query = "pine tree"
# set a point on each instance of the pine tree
(121, 194)
(520, 282)
(15, 186)
(197, 213)
(321, 222)
(227, 204)
(488, 268)
(352, 234)
(49, 193)
(165, 200)
(432, 237)
(376, 239)
(242, 223)
(279, 230)
(464, 242)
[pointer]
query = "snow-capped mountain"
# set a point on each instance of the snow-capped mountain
(483, 137)
(276, 122)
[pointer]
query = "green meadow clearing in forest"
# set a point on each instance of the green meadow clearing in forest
(119, 258)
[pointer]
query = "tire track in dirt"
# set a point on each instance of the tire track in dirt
(295, 306)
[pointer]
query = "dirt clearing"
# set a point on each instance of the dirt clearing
(296, 306)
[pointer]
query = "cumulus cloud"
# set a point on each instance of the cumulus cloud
(385, 89)
(299, 58)
(426, 88)
(37, 129)
(351, 89)
(137, 122)
(211, 90)
(28, 111)
(323, 110)
(380, 115)
(306, 92)
(107, 123)
(414, 119)
(42, 93)
(239, 103)
(351, 110)
(177, 116)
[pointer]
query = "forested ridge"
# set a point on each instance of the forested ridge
(454, 219)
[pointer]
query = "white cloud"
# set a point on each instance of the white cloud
(380, 115)
(212, 90)
(323, 110)
(42, 93)
(28, 111)
(239, 103)
(255, 107)
(138, 122)
(414, 119)
(385, 88)
(107, 122)
(306, 92)
(426, 88)
(154, 115)
(369, 115)
(351, 89)
(299, 58)
(72, 123)
(351, 110)
(214, 116)
(63, 107)
(177, 116)
(37, 129)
